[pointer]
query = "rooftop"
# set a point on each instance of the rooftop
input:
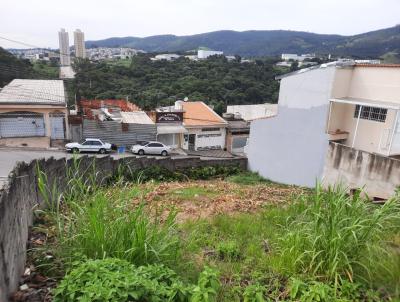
(33, 92)
(136, 117)
(252, 112)
(199, 114)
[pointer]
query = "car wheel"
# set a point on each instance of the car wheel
(75, 150)
(164, 153)
(141, 152)
(102, 151)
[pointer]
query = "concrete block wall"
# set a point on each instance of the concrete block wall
(378, 175)
(20, 197)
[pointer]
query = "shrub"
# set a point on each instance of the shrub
(254, 293)
(228, 250)
(100, 227)
(335, 232)
(119, 281)
(247, 178)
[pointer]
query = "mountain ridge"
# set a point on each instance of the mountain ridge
(252, 43)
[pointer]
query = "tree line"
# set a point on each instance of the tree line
(150, 84)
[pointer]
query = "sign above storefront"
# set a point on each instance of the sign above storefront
(169, 117)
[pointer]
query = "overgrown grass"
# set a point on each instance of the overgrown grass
(332, 236)
(324, 246)
(248, 178)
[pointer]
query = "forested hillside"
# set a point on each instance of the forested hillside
(14, 68)
(149, 84)
(256, 43)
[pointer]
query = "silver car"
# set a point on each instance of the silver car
(156, 148)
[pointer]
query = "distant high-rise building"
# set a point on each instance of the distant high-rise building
(63, 39)
(79, 41)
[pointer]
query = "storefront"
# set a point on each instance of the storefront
(170, 128)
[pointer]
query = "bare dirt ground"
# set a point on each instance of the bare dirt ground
(203, 199)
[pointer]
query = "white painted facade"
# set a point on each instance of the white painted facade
(318, 105)
(205, 138)
(204, 54)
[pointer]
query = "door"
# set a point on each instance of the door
(192, 142)
(57, 124)
(153, 148)
(86, 146)
(96, 146)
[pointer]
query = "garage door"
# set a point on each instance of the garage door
(21, 124)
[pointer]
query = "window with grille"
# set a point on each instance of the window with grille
(371, 113)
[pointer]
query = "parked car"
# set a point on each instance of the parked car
(89, 145)
(151, 148)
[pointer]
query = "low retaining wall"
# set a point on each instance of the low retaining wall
(20, 197)
(378, 175)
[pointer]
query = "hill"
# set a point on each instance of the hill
(12, 67)
(268, 42)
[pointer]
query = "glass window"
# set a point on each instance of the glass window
(371, 113)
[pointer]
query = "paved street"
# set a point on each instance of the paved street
(9, 157)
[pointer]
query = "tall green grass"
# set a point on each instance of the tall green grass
(90, 222)
(335, 233)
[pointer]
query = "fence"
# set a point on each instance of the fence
(20, 197)
(118, 133)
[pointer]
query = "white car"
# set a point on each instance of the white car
(151, 148)
(89, 145)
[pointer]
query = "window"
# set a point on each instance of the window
(96, 143)
(154, 145)
(371, 113)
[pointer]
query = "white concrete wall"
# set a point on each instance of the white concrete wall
(291, 147)
(206, 142)
(376, 83)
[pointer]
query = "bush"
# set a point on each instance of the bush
(248, 178)
(119, 281)
(158, 173)
(335, 232)
(228, 250)
(100, 227)
(254, 293)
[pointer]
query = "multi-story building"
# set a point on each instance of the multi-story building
(345, 106)
(79, 42)
(63, 39)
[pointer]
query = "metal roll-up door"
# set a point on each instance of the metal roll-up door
(57, 125)
(21, 124)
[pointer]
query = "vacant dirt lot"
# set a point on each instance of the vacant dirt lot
(201, 199)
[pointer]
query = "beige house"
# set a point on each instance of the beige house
(355, 105)
(364, 108)
(33, 113)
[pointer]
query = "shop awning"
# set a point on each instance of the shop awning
(171, 129)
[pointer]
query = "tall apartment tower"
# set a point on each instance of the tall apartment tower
(79, 41)
(63, 39)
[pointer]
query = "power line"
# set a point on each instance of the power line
(34, 46)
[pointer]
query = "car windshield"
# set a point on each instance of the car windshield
(82, 141)
(143, 143)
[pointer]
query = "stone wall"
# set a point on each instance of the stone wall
(378, 175)
(20, 197)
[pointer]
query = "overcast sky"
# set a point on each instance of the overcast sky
(37, 22)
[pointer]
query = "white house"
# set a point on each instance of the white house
(206, 130)
(354, 104)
